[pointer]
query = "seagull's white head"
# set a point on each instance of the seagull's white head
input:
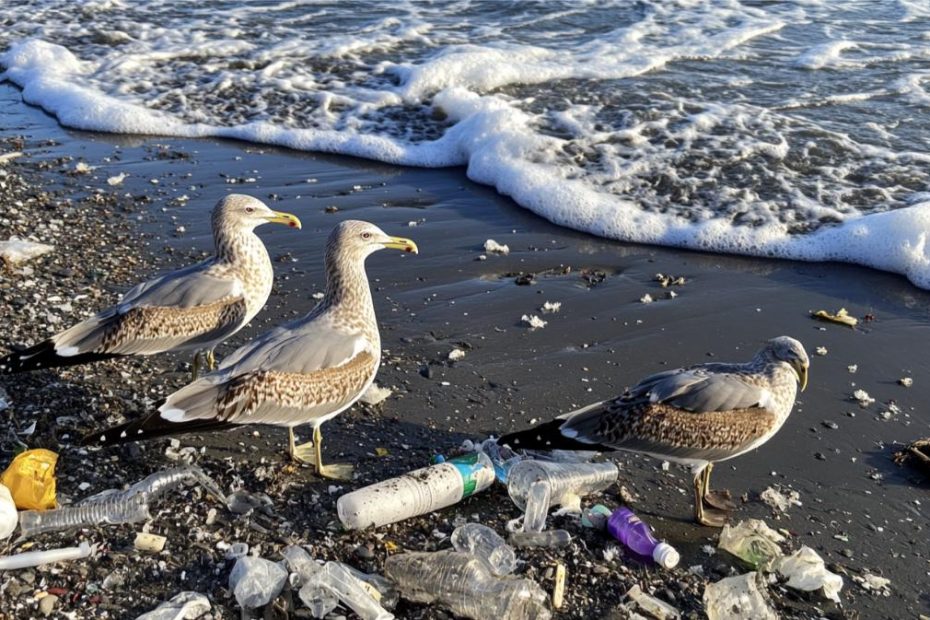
(788, 350)
(358, 239)
(239, 211)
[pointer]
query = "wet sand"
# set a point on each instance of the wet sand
(860, 512)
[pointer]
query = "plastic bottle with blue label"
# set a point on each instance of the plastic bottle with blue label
(416, 493)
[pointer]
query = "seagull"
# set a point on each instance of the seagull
(303, 372)
(696, 416)
(193, 308)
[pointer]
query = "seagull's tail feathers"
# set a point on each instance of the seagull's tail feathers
(46, 355)
(150, 427)
(548, 436)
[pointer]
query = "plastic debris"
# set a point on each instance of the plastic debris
(780, 500)
(38, 558)
(4, 399)
(456, 354)
(256, 581)
(805, 570)
(533, 321)
(842, 317)
(651, 605)
(382, 589)
(551, 307)
(16, 250)
(243, 502)
(83, 167)
(158, 484)
(351, 592)
(31, 479)
(752, 541)
(5, 157)
(9, 517)
(183, 606)
(550, 539)
(646, 299)
(461, 583)
(236, 550)
(821, 351)
(738, 598)
(375, 394)
(635, 534)
(537, 506)
(906, 381)
(484, 543)
(873, 583)
(319, 599)
(493, 247)
(666, 280)
(916, 454)
(558, 590)
(416, 493)
(149, 542)
(596, 517)
(568, 482)
(116, 179)
(109, 511)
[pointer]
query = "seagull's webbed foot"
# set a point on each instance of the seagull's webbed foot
(303, 453)
(721, 500)
(709, 516)
(336, 471)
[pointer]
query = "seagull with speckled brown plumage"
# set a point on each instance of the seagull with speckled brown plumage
(194, 308)
(303, 372)
(696, 416)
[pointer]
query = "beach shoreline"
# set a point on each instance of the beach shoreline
(859, 510)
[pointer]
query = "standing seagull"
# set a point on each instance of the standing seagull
(303, 372)
(696, 416)
(193, 308)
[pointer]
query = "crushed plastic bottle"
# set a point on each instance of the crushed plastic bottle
(160, 483)
(463, 584)
(119, 510)
(502, 457)
(256, 581)
(651, 605)
(550, 539)
(596, 517)
(181, 606)
(350, 591)
(318, 599)
(753, 542)
(738, 598)
(806, 571)
(537, 506)
(568, 482)
(484, 543)
(632, 532)
(416, 493)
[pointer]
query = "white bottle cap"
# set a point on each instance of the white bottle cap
(665, 555)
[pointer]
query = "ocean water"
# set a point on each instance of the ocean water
(788, 129)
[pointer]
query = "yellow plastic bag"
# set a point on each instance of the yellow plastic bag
(31, 479)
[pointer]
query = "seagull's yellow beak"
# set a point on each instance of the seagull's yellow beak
(279, 217)
(801, 369)
(399, 243)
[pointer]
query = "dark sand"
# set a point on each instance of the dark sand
(602, 340)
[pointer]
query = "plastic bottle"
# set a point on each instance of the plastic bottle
(161, 482)
(38, 558)
(463, 584)
(118, 510)
(551, 539)
(256, 581)
(632, 532)
(350, 591)
(537, 506)
(319, 599)
(416, 493)
(567, 481)
(382, 589)
(484, 543)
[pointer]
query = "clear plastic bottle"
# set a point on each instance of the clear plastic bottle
(551, 539)
(567, 481)
(484, 543)
(416, 493)
(351, 592)
(319, 599)
(464, 585)
(383, 589)
(159, 483)
(118, 510)
(632, 532)
(537, 506)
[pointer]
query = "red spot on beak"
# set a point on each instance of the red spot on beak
(292, 224)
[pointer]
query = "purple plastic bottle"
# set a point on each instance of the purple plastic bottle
(632, 532)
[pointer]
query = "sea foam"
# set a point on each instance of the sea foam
(602, 130)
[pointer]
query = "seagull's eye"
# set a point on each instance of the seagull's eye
(249, 209)
(366, 235)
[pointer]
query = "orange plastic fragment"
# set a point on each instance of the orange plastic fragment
(31, 479)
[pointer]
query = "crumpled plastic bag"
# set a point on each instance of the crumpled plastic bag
(256, 581)
(752, 541)
(806, 571)
(184, 606)
(31, 479)
(15, 250)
